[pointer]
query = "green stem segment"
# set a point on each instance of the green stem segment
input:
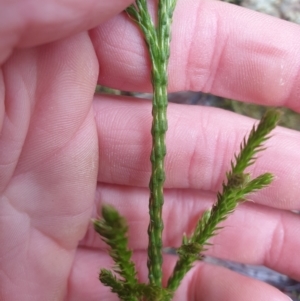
(158, 41)
(158, 131)
(155, 228)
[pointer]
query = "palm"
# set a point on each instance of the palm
(48, 166)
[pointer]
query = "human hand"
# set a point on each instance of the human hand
(48, 143)
(42, 222)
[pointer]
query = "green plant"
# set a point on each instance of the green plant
(113, 228)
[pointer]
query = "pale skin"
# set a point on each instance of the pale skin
(64, 151)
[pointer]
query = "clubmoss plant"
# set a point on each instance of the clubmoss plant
(238, 184)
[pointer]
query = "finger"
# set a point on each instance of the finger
(261, 236)
(30, 23)
(201, 142)
(204, 282)
(230, 286)
(223, 49)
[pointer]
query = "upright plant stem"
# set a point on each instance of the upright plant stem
(158, 130)
(156, 201)
(159, 53)
(158, 41)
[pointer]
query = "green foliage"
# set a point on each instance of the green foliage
(234, 191)
(113, 228)
(256, 138)
(238, 185)
(122, 289)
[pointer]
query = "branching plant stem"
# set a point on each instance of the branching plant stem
(113, 228)
(237, 187)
